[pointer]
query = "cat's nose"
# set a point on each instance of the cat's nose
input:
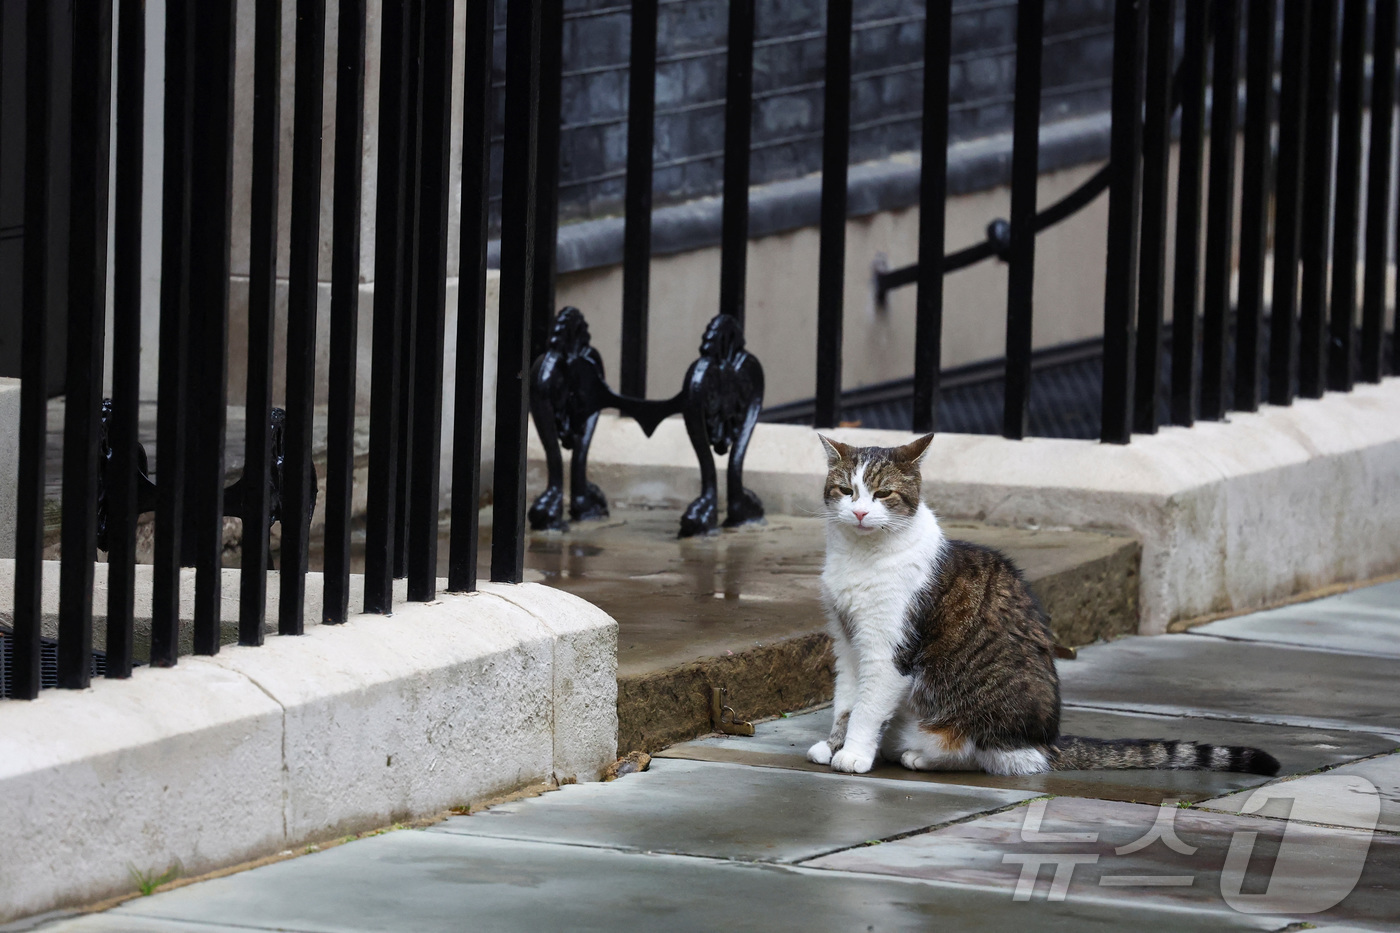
(860, 516)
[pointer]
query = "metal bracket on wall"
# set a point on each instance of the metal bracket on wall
(720, 398)
(733, 725)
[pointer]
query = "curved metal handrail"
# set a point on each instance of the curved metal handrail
(998, 240)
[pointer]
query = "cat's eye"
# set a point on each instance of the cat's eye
(844, 490)
(884, 493)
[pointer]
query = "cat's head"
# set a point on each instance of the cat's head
(872, 489)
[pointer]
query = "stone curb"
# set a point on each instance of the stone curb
(253, 751)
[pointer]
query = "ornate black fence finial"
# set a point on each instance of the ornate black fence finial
(233, 494)
(567, 391)
(720, 399)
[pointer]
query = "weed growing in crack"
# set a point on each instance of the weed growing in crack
(147, 882)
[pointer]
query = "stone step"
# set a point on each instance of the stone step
(741, 609)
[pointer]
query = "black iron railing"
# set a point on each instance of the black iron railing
(279, 483)
(1217, 353)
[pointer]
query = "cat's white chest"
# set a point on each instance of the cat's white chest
(871, 584)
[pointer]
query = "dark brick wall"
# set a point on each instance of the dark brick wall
(789, 56)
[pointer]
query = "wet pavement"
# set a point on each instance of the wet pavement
(743, 833)
(1259, 681)
(783, 744)
(679, 599)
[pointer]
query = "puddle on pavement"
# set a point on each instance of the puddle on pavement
(680, 599)
(675, 599)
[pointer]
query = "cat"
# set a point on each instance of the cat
(944, 657)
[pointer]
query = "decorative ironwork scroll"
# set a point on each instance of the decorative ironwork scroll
(233, 494)
(720, 398)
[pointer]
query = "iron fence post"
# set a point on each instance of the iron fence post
(1288, 200)
(636, 250)
(1025, 175)
(345, 305)
(1378, 194)
(391, 205)
(463, 542)
(126, 339)
(432, 297)
(408, 282)
(87, 307)
(520, 189)
(172, 410)
(1341, 358)
(1220, 210)
(831, 263)
(1156, 147)
(1124, 199)
(1317, 199)
(1254, 203)
(300, 489)
(262, 304)
(738, 129)
(211, 156)
(1186, 287)
(34, 372)
(933, 194)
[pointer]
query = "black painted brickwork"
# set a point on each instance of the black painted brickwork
(788, 64)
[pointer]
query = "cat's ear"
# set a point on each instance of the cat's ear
(835, 450)
(912, 451)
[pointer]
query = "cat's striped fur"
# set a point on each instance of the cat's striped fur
(944, 658)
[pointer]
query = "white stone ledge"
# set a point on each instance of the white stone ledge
(255, 750)
(1231, 515)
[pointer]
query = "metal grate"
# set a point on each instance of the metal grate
(1064, 402)
(1065, 395)
(48, 662)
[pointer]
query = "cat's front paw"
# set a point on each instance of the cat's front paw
(852, 762)
(820, 753)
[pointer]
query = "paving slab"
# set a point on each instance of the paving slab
(1380, 595)
(1328, 624)
(729, 811)
(1331, 798)
(430, 882)
(1201, 676)
(783, 743)
(1117, 852)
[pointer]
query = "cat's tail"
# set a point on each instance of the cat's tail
(1076, 753)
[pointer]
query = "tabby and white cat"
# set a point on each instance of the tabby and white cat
(944, 658)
